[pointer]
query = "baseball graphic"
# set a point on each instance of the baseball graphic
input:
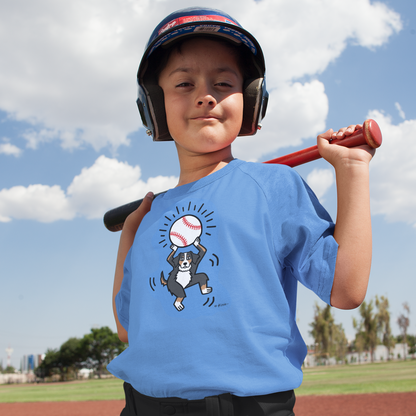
(185, 231)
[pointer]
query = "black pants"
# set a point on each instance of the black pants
(277, 404)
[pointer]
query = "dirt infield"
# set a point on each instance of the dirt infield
(402, 404)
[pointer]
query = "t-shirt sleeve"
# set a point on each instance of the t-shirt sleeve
(123, 296)
(304, 242)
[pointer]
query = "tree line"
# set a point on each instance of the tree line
(93, 351)
(372, 329)
(8, 370)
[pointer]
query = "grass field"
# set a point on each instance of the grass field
(390, 377)
(106, 389)
(397, 376)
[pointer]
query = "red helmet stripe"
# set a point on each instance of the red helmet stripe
(190, 19)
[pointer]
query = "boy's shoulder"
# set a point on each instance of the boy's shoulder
(273, 179)
(264, 171)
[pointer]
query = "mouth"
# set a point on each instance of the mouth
(184, 268)
(205, 118)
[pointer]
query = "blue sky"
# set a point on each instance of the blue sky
(72, 146)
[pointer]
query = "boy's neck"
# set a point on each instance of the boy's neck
(195, 167)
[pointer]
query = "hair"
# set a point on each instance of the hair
(158, 60)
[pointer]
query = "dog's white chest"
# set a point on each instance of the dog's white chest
(183, 278)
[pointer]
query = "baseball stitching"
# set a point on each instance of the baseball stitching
(179, 237)
(190, 225)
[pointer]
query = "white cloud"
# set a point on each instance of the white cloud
(110, 183)
(105, 185)
(320, 180)
(40, 202)
(400, 111)
(393, 173)
(70, 70)
(302, 37)
(10, 149)
(35, 138)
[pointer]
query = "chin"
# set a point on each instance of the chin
(211, 146)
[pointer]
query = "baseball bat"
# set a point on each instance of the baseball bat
(369, 134)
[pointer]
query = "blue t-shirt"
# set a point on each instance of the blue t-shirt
(209, 290)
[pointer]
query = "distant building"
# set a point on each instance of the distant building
(380, 354)
(30, 362)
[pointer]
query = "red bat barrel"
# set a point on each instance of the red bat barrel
(370, 134)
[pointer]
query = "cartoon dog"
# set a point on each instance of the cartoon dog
(184, 273)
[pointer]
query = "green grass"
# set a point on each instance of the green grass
(390, 377)
(397, 376)
(106, 389)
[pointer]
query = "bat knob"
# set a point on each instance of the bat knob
(372, 133)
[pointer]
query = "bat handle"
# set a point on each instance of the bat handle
(114, 219)
(369, 134)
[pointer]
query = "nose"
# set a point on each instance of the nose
(206, 101)
(205, 97)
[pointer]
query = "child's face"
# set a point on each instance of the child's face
(203, 90)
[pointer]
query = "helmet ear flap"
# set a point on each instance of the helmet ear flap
(255, 98)
(151, 105)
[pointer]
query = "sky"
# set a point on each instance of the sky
(72, 145)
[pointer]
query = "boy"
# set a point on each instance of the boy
(207, 297)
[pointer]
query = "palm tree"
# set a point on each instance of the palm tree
(367, 327)
(330, 339)
(383, 323)
(403, 321)
(359, 338)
